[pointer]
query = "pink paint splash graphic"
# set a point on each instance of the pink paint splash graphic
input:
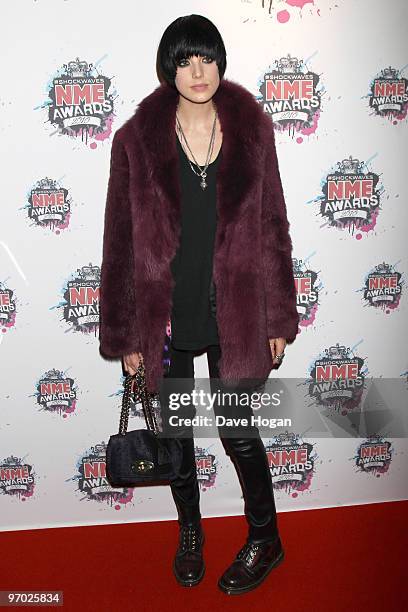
(312, 128)
(310, 318)
(295, 127)
(299, 3)
(10, 323)
(106, 133)
(283, 16)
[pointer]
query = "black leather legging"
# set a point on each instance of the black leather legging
(247, 453)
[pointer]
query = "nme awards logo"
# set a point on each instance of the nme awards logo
(307, 292)
(206, 468)
(291, 462)
(81, 306)
(291, 94)
(388, 95)
(7, 308)
(92, 480)
(80, 103)
(337, 379)
(16, 478)
(374, 456)
(383, 287)
(56, 393)
(49, 205)
(351, 197)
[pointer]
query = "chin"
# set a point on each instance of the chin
(201, 96)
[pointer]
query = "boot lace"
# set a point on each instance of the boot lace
(247, 552)
(190, 538)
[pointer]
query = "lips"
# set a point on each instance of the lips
(199, 87)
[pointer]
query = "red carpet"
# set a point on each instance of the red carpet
(351, 558)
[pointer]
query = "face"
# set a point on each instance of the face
(197, 78)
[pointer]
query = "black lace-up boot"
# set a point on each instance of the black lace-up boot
(251, 566)
(188, 563)
(262, 550)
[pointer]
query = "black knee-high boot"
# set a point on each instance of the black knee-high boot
(263, 549)
(249, 458)
(185, 488)
(188, 564)
(248, 454)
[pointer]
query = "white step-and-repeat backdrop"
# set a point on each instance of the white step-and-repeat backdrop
(333, 75)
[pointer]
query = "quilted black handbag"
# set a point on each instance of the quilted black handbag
(140, 456)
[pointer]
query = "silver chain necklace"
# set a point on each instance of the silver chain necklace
(202, 173)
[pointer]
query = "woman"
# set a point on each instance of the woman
(196, 232)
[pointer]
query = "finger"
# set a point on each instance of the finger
(130, 370)
(278, 360)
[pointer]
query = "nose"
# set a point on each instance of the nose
(196, 67)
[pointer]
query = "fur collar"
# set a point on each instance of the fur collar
(244, 126)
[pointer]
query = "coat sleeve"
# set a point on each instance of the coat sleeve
(279, 283)
(118, 333)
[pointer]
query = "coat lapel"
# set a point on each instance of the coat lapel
(239, 169)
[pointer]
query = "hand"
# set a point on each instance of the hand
(131, 363)
(277, 346)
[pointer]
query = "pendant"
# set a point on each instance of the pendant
(203, 184)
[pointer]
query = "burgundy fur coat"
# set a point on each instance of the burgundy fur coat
(252, 266)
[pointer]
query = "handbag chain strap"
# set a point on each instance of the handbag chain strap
(141, 395)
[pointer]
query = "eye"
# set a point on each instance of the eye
(185, 61)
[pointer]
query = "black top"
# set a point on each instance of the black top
(193, 326)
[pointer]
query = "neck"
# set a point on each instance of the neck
(194, 116)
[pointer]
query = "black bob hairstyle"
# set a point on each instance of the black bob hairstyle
(187, 36)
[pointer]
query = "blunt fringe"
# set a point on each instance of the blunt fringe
(187, 36)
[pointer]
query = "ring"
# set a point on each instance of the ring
(280, 356)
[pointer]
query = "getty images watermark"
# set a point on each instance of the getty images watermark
(210, 401)
(331, 409)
